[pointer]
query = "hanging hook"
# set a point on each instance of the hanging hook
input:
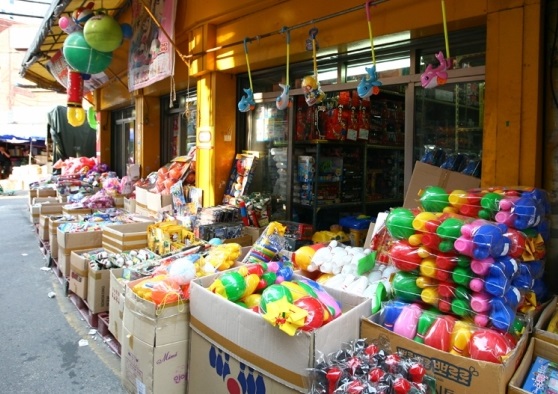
(313, 32)
(368, 10)
(246, 41)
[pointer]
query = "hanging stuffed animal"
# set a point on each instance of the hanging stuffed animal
(437, 76)
(369, 84)
(283, 101)
(247, 102)
(313, 94)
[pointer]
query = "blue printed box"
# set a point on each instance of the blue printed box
(454, 374)
(537, 373)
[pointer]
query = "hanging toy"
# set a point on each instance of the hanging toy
(283, 100)
(83, 14)
(75, 112)
(437, 76)
(313, 94)
(247, 102)
(369, 84)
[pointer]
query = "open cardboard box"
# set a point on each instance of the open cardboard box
(537, 347)
(542, 323)
(249, 339)
(428, 175)
(453, 373)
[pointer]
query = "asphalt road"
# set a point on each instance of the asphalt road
(40, 336)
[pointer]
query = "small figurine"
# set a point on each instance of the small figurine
(247, 102)
(369, 84)
(432, 77)
(312, 92)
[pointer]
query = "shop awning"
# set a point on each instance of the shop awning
(50, 40)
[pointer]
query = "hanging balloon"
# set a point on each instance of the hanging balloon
(75, 112)
(127, 31)
(81, 57)
(92, 118)
(68, 25)
(83, 14)
(103, 33)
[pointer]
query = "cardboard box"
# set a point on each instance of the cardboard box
(121, 237)
(156, 201)
(40, 200)
(54, 208)
(118, 201)
(155, 345)
(79, 268)
(221, 369)
(253, 232)
(76, 211)
(251, 340)
(141, 196)
(54, 222)
(98, 290)
(143, 211)
(428, 175)
(116, 303)
(64, 261)
(129, 205)
(34, 213)
(154, 325)
(44, 192)
(148, 369)
(454, 374)
(79, 240)
(537, 347)
(245, 240)
(540, 331)
(43, 227)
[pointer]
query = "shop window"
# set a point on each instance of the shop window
(123, 140)
(178, 125)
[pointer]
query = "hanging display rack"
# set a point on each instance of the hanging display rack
(187, 58)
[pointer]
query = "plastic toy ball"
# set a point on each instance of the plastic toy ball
(297, 291)
(400, 223)
(274, 293)
(103, 33)
(434, 199)
(81, 57)
(127, 31)
(302, 257)
(315, 309)
(231, 286)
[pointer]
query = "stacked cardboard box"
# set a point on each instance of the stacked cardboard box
(129, 236)
(155, 342)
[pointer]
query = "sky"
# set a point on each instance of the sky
(25, 11)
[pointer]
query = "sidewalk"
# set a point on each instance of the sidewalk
(41, 329)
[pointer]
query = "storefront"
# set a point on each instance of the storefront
(470, 114)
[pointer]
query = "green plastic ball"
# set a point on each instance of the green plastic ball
(81, 57)
(103, 33)
(399, 223)
(434, 199)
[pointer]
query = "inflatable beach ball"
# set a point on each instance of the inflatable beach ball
(103, 33)
(81, 57)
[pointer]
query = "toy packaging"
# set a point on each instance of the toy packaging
(542, 377)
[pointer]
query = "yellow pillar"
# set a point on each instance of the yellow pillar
(216, 136)
(147, 133)
(512, 141)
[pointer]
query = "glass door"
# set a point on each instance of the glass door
(268, 138)
(123, 140)
(178, 133)
(449, 126)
